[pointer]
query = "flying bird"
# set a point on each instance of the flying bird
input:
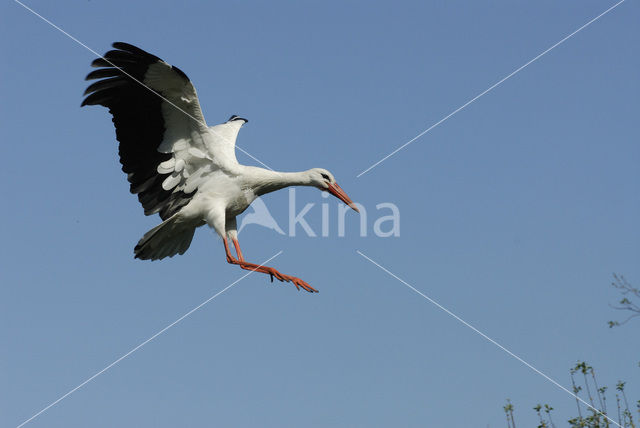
(179, 167)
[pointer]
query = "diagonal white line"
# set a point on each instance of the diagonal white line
(490, 88)
(485, 336)
(146, 341)
(139, 82)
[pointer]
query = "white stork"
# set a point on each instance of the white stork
(179, 167)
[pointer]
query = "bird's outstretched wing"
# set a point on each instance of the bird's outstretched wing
(158, 123)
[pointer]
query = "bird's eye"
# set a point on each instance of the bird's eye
(325, 176)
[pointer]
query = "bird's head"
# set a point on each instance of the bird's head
(324, 180)
(236, 118)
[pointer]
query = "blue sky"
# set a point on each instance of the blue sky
(514, 214)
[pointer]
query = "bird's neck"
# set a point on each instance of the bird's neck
(264, 181)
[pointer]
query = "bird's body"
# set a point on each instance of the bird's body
(179, 167)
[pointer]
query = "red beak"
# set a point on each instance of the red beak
(337, 191)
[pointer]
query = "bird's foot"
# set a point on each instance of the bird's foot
(299, 283)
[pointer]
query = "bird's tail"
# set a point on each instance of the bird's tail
(172, 236)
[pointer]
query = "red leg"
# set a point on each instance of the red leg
(299, 283)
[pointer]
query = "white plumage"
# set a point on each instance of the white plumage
(179, 167)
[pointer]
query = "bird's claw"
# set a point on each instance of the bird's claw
(273, 273)
(299, 283)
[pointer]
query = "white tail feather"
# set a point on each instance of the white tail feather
(169, 238)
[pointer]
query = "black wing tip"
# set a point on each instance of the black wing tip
(101, 62)
(128, 47)
(112, 58)
(92, 99)
(125, 60)
(132, 49)
(124, 46)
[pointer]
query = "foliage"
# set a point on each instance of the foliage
(592, 415)
(626, 304)
(592, 405)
